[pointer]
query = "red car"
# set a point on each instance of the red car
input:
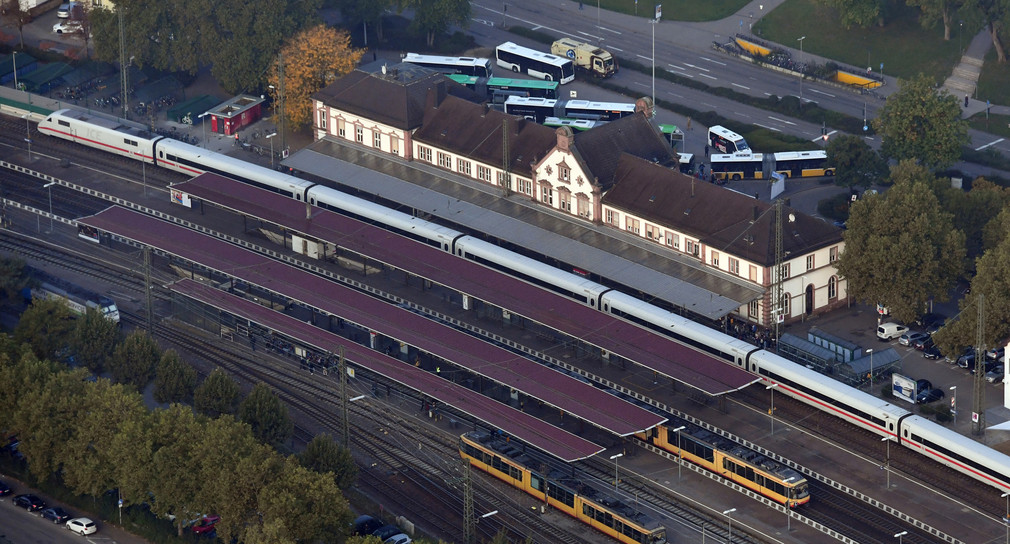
(206, 524)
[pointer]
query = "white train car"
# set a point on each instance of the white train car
(103, 132)
(958, 452)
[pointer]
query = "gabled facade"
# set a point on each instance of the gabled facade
(732, 233)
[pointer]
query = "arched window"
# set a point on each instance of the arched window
(832, 288)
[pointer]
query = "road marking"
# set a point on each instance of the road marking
(643, 57)
(769, 128)
(709, 105)
(989, 144)
(708, 76)
(674, 94)
(819, 138)
(741, 86)
(677, 67)
(768, 94)
(822, 92)
(608, 30)
(781, 120)
(615, 48)
(697, 67)
(538, 27)
(639, 83)
(583, 33)
(680, 73)
(715, 61)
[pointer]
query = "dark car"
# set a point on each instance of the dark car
(996, 354)
(932, 352)
(931, 321)
(386, 531)
(4, 489)
(922, 385)
(987, 366)
(366, 525)
(923, 343)
(29, 502)
(928, 396)
(56, 514)
(967, 360)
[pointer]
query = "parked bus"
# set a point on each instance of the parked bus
(535, 63)
(470, 66)
(738, 166)
(724, 140)
(539, 109)
(498, 89)
(803, 164)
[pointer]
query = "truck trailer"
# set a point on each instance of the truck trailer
(77, 298)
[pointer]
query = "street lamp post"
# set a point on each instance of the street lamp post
(953, 403)
(50, 187)
(1006, 518)
(801, 69)
(28, 136)
(899, 535)
(771, 412)
(204, 123)
(960, 32)
(870, 351)
(729, 523)
(269, 137)
(680, 454)
(887, 460)
(789, 512)
(614, 459)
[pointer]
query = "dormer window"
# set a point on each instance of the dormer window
(564, 173)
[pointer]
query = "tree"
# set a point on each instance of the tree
(996, 16)
(45, 326)
(17, 15)
(312, 60)
(174, 379)
(174, 465)
(901, 248)
(973, 210)
(218, 394)
(312, 508)
(267, 416)
(134, 359)
(856, 163)
(367, 12)
(861, 13)
(13, 277)
(937, 11)
(322, 454)
(434, 17)
(94, 340)
(919, 123)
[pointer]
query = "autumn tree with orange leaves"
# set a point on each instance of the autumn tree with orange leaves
(312, 59)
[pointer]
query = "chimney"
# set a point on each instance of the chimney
(440, 92)
(566, 138)
(646, 106)
(520, 122)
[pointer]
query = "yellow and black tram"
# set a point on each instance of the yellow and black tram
(732, 461)
(606, 514)
(791, 164)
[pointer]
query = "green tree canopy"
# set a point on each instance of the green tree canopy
(921, 124)
(901, 247)
(266, 415)
(932, 12)
(218, 394)
(434, 17)
(322, 454)
(46, 327)
(174, 379)
(861, 13)
(13, 277)
(134, 359)
(856, 163)
(94, 340)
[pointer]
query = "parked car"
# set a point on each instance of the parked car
(56, 514)
(4, 489)
(64, 11)
(205, 525)
(932, 352)
(911, 337)
(82, 526)
(29, 502)
(366, 525)
(931, 321)
(398, 539)
(967, 360)
(923, 343)
(68, 27)
(386, 532)
(928, 396)
(890, 331)
(994, 375)
(987, 367)
(996, 354)
(922, 385)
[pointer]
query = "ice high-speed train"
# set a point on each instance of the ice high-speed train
(858, 408)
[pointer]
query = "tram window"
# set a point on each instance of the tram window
(536, 482)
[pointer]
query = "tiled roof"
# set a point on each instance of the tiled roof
(722, 219)
(601, 147)
(395, 98)
(475, 131)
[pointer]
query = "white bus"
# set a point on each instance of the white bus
(724, 140)
(470, 66)
(535, 63)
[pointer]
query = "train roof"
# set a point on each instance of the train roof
(107, 121)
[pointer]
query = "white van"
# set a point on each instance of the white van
(890, 331)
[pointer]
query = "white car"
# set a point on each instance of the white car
(82, 526)
(67, 27)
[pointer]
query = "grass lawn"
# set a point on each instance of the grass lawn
(905, 48)
(674, 10)
(994, 84)
(997, 124)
